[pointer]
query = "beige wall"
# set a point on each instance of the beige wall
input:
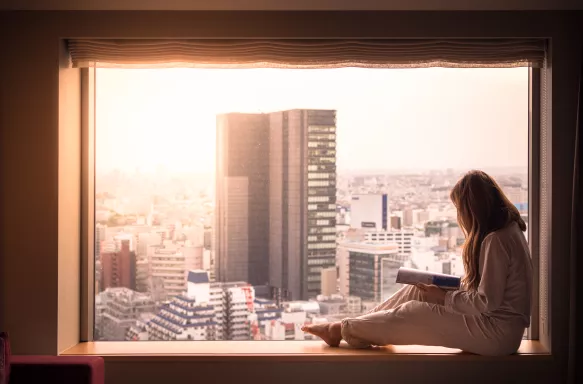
(31, 287)
(69, 227)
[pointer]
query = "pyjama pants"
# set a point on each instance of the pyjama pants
(408, 317)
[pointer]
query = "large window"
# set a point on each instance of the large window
(241, 204)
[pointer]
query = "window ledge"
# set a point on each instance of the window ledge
(280, 351)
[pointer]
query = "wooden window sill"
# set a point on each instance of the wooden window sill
(280, 351)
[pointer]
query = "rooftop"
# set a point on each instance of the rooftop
(369, 247)
(198, 277)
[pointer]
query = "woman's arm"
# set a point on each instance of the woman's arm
(494, 264)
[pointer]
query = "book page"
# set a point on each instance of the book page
(413, 276)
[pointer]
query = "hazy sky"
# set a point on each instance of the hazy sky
(387, 118)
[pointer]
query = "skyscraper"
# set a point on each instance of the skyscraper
(276, 199)
(242, 193)
(302, 200)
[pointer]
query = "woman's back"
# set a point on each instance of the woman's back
(512, 248)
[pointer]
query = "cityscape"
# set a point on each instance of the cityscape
(278, 235)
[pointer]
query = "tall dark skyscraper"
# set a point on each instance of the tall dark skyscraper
(295, 209)
(242, 193)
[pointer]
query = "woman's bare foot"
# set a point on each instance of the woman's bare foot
(329, 332)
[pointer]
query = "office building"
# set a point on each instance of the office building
(408, 217)
(437, 259)
(145, 240)
(118, 265)
(170, 263)
(403, 239)
(100, 237)
(118, 310)
(276, 199)
(205, 311)
(329, 280)
(233, 303)
(395, 222)
(264, 322)
(353, 305)
(207, 238)
(189, 316)
(302, 200)
(332, 305)
(436, 227)
(368, 270)
(239, 305)
(369, 212)
(242, 195)
(516, 194)
(142, 275)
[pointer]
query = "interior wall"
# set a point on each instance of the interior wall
(29, 105)
(32, 267)
(69, 231)
(394, 372)
(287, 5)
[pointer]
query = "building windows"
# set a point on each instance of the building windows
(318, 199)
(321, 152)
(319, 222)
(321, 214)
(321, 129)
(322, 207)
(322, 246)
(322, 230)
(323, 145)
(328, 168)
(322, 137)
(322, 238)
(320, 175)
(321, 183)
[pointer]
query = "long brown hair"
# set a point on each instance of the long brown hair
(482, 208)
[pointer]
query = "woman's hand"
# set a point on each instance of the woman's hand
(432, 292)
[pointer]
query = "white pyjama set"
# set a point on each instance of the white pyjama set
(488, 321)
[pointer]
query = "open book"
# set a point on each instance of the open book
(416, 276)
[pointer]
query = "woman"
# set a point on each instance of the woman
(488, 315)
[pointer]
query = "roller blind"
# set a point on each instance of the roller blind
(382, 53)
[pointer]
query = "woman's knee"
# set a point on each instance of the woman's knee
(350, 336)
(411, 306)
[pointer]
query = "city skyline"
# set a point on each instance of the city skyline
(278, 229)
(171, 290)
(147, 119)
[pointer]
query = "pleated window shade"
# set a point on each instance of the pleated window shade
(382, 53)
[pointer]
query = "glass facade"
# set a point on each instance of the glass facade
(321, 188)
(373, 276)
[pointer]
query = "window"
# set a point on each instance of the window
(205, 175)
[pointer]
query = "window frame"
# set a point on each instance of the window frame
(538, 137)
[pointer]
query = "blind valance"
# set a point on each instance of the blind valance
(307, 53)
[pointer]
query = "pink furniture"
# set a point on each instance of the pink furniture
(56, 369)
(48, 369)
